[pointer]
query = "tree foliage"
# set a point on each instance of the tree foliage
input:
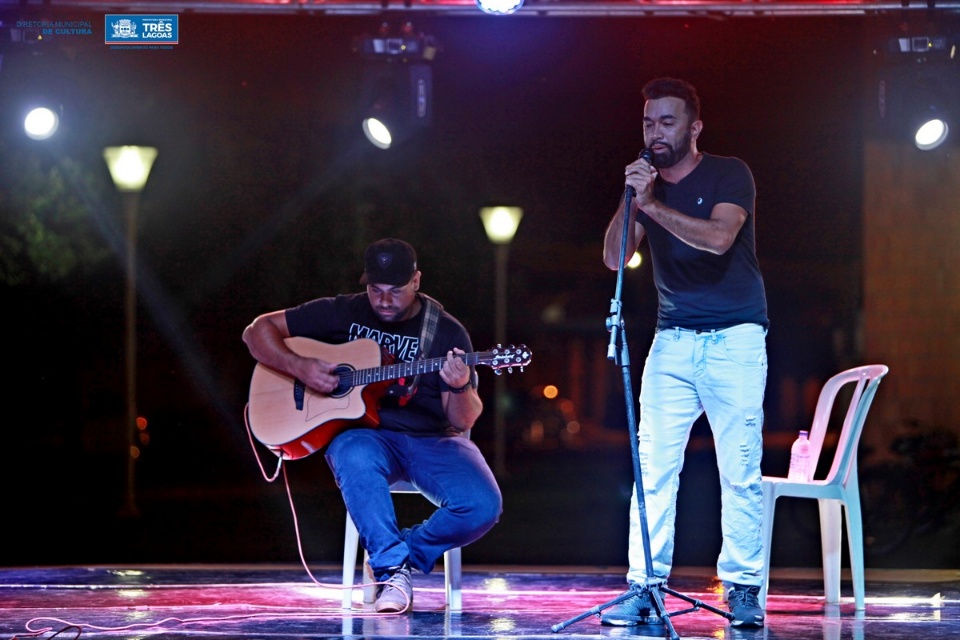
(46, 231)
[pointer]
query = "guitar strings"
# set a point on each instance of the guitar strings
(356, 377)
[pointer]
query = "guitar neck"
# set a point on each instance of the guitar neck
(358, 377)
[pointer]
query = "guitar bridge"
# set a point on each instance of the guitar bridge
(299, 390)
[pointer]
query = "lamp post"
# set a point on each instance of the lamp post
(129, 167)
(500, 223)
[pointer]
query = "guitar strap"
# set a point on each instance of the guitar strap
(428, 328)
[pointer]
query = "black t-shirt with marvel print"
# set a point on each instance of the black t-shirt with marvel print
(340, 319)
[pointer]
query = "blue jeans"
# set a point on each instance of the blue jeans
(448, 470)
(687, 373)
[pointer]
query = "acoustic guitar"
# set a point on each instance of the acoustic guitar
(294, 421)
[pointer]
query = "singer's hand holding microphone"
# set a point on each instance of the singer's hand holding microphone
(640, 175)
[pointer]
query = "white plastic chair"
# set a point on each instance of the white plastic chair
(351, 543)
(840, 487)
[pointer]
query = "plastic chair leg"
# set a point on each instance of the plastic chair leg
(769, 507)
(452, 574)
(351, 541)
(831, 533)
(855, 540)
(369, 588)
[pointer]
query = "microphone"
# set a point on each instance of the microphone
(645, 154)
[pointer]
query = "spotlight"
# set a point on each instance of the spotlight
(499, 7)
(39, 89)
(397, 102)
(397, 84)
(927, 111)
(377, 132)
(41, 123)
(932, 132)
(918, 96)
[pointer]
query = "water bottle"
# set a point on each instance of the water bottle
(800, 459)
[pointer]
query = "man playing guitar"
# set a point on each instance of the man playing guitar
(422, 424)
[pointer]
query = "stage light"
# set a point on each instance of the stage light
(41, 123)
(397, 84)
(397, 101)
(927, 112)
(377, 132)
(919, 89)
(499, 7)
(931, 134)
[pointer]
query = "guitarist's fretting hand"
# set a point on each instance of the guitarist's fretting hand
(460, 408)
(455, 371)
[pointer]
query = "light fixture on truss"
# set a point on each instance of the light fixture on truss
(397, 85)
(919, 89)
(500, 7)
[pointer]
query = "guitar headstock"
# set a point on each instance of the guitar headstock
(508, 357)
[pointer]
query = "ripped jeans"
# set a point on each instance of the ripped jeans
(687, 373)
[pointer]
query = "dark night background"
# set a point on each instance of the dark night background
(264, 195)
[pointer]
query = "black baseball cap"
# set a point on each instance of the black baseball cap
(389, 261)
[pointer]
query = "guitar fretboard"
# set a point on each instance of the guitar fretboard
(357, 377)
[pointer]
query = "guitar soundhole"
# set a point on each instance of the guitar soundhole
(345, 373)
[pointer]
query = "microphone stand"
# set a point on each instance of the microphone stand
(618, 352)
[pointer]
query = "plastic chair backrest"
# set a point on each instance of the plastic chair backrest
(867, 378)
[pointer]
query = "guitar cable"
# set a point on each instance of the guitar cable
(293, 513)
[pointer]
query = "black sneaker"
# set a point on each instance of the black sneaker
(745, 606)
(635, 610)
(396, 594)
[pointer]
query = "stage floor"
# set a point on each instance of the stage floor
(284, 601)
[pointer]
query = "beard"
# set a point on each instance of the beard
(673, 154)
(394, 313)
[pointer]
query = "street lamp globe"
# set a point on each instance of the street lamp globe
(501, 223)
(129, 166)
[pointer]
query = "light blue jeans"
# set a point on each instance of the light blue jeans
(687, 373)
(449, 471)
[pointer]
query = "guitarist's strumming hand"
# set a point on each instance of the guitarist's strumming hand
(316, 374)
(265, 339)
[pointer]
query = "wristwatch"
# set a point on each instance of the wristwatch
(460, 389)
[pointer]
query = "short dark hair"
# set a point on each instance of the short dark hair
(674, 88)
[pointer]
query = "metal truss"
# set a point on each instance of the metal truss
(544, 8)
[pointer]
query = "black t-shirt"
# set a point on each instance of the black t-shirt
(698, 289)
(343, 318)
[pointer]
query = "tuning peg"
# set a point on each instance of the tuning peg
(498, 372)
